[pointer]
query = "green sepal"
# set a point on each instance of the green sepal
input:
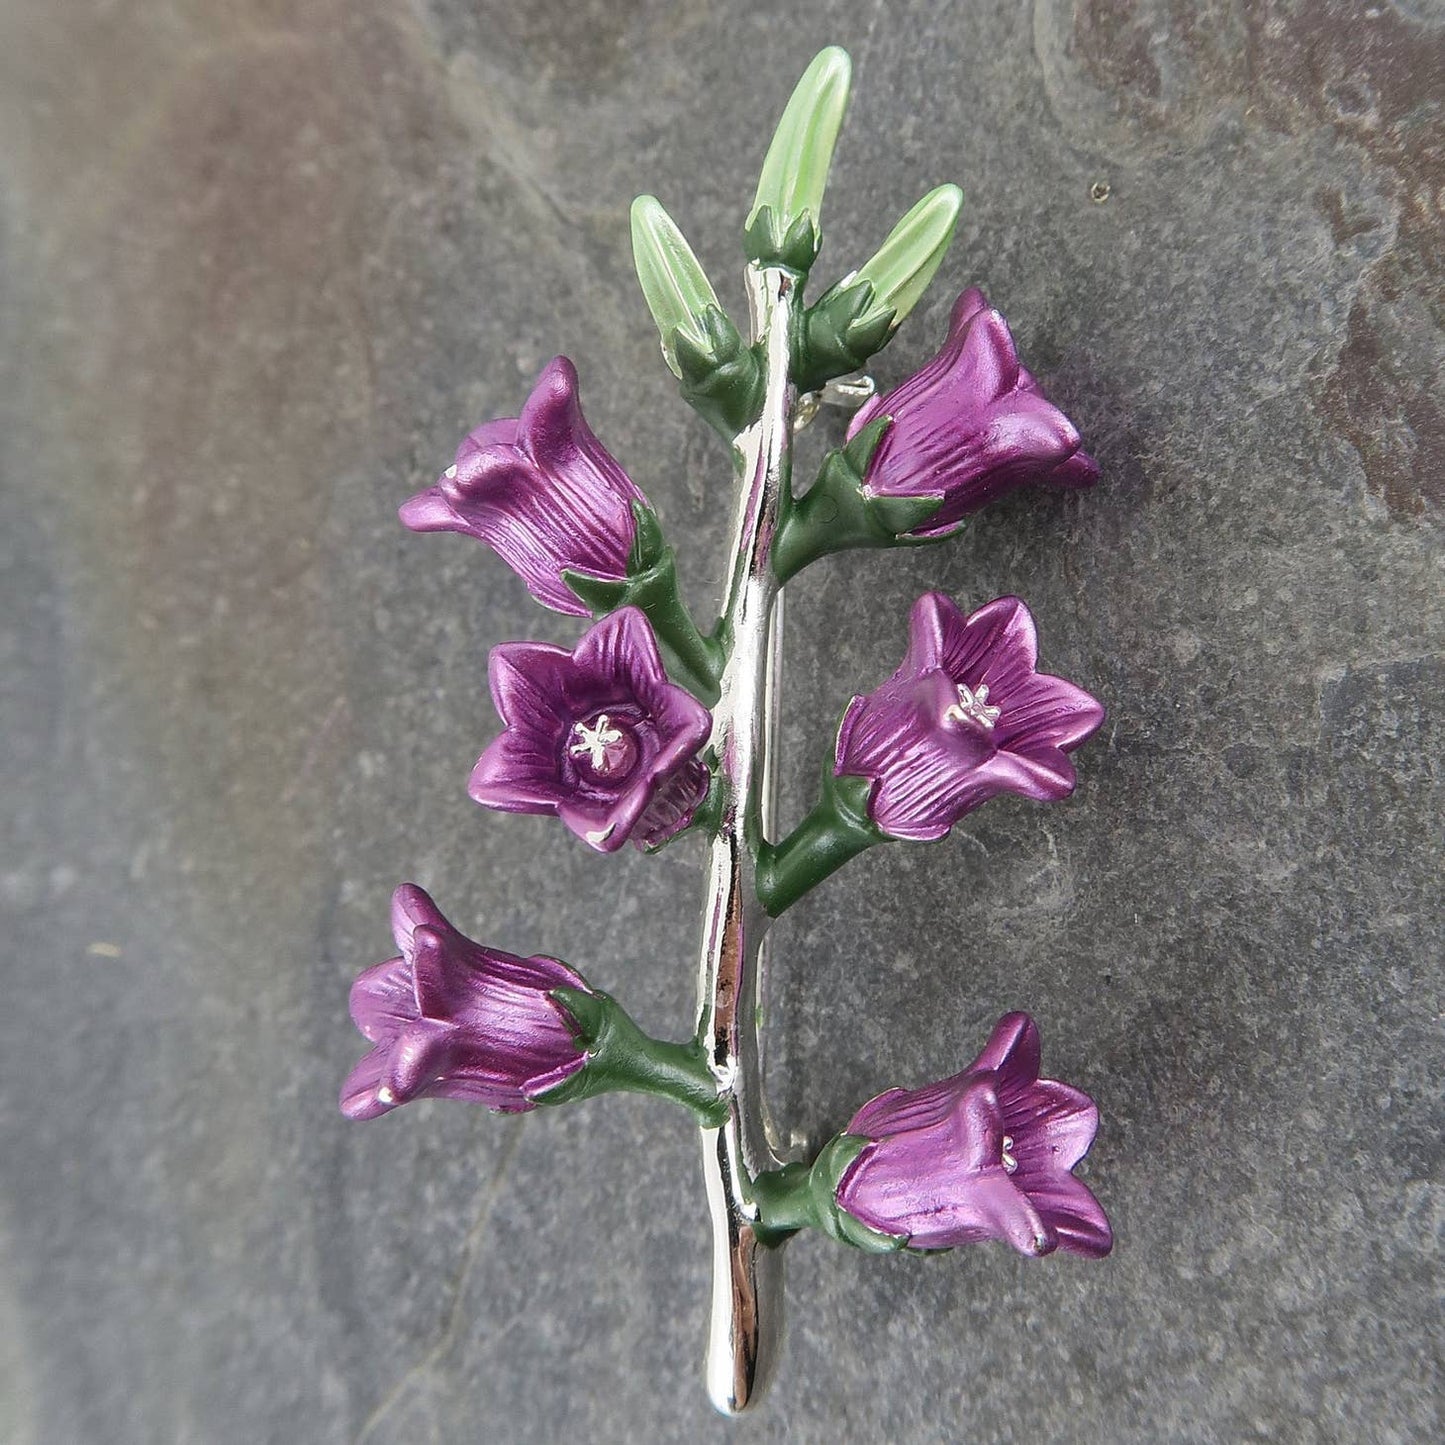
(799, 1196)
(837, 514)
(836, 829)
(693, 660)
(620, 1057)
(719, 376)
(599, 595)
(768, 242)
(839, 332)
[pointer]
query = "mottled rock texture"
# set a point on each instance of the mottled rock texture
(264, 261)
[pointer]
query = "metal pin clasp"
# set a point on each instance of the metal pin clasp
(848, 392)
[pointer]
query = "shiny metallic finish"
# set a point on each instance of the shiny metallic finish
(746, 1316)
(848, 392)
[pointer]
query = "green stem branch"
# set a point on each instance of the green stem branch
(838, 828)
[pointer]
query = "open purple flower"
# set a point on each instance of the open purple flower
(540, 490)
(970, 426)
(986, 1154)
(454, 1020)
(964, 718)
(597, 735)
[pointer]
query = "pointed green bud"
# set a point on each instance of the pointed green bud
(907, 261)
(795, 169)
(674, 285)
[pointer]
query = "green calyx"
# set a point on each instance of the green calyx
(772, 240)
(839, 332)
(693, 660)
(719, 375)
(836, 829)
(858, 316)
(795, 169)
(837, 513)
(620, 1057)
(802, 1196)
(676, 289)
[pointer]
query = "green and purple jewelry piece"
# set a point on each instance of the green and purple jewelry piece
(650, 727)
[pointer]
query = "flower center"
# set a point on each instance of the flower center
(972, 707)
(602, 748)
(1008, 1160)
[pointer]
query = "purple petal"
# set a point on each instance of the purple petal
(947, 1129)
(606, 823)
(383, 999)
(933, 618)
(1072, 1214)
(622, 647)
(361, 1093)
(429, 511)
(927, 773)
(1052, 1126)
(673, 805)
(1080, 470)
(1045, 711)
(513, 775)
(1012, 1053)
(418, 1056)
(997, 645)
(413, 908)
(968, 305)
(532, 684)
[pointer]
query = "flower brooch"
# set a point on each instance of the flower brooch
(650, 727)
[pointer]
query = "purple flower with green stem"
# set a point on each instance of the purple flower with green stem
(596, 735)
(964, 718)
(542, 492)
(451, 1019)
(969, 426)
(987, 1154)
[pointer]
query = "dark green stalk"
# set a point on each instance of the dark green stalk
(804, 1196)
(620, 1057)
(694, 660)
(837, 514)
(838, 828)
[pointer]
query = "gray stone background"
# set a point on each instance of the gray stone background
(264, 262)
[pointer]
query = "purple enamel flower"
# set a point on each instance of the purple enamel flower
(540, 490)
(986, 1154)
(451, 1019)
(964, 718)
(970, 426)
(597, 735)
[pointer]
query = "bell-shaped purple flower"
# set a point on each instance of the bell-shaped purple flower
(451, 1019)
(540, 490)
(986, 1154)
(597, 735)
(970, 426)
(964, 718)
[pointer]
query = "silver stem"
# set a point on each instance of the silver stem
(747, 1278)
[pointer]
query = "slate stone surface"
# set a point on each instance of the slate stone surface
(264, 262)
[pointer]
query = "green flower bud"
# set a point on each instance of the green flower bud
(674, 285)
(795, 169)
(906, 262)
